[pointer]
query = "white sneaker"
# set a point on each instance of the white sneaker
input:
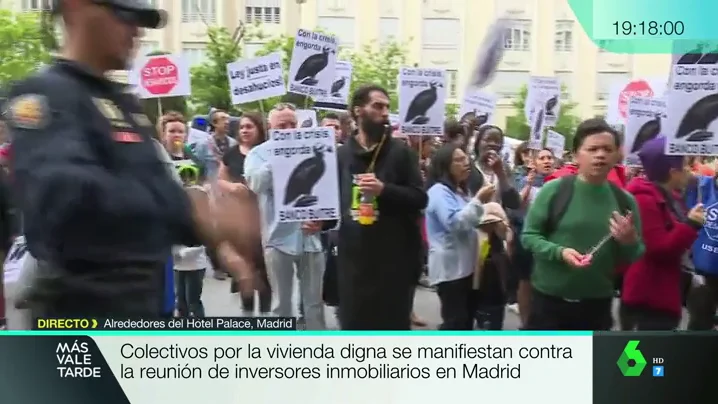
(514, 307)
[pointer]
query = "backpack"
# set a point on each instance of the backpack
(562, 198)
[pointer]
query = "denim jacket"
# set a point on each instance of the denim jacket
(451, 222)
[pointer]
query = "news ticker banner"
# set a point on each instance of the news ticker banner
(647, 26)
(144, 367)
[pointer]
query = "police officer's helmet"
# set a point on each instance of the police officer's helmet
(137, 12)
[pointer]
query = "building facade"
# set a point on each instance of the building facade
(543, 38)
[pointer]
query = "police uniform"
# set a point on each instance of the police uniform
(100, 210)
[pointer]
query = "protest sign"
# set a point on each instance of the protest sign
(15, 260)
(304, 174)
(692, 108)
(645, 116)
(544, 93)
(338, 97)
(394, 119)
(479, 104)
(307, 118)
(256, 79)
(556, 142)
(623, 90)
(422, 98)
(537, 127)
(161, 76)
(311, 71)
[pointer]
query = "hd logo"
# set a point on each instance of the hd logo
(631, 362)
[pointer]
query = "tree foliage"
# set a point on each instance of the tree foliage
(376, 64)
(518, 128)
(22, 45)
(151, 106)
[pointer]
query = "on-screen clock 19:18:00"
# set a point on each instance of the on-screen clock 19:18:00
(648, 28)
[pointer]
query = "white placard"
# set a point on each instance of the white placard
(622, 90)
(14, 261)
(692, 104)
(422, 101)
(556, 142)
(312, 69)
(161, 76)
(307, 118)
(645, 118)
(338, 97)
(544, 93)
(479, 103)
(304, 174)
(394, 119)
(537, 127)
(256, 79)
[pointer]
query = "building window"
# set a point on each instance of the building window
(564, 36)
(199, 10)
(251, 49)
(333, 5)
(452, 78)
(36, 5)
(342, 27)
(194, 53)
(147, 47)
(606, 80)
(566, 80)
(518, 35)
(508, 84)
(263, 11)
(388, 29)
(440, 33)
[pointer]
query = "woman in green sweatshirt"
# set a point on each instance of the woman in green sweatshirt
(573, 289)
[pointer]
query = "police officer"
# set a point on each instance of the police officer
(101, 212)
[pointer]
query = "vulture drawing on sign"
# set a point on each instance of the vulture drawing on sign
(337, 86)
(301, 182)
(478, 119)
(648, 131)
(550, 105)
(313, 65)
(692, 57)
(307, 123)
(538, 125)
(421, 104)
(694, 125)
(489, 55)
(709, 58)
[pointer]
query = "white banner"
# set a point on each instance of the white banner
(307, 118)
(311, 71)
(161, 76)
(422, 100)
(343, 369)
(556, 142)
(338, 96)
(479, 103)
(544, 94)
(304, 174)
(256, 79)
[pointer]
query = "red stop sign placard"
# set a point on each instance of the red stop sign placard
(636, 88)
(159, 76)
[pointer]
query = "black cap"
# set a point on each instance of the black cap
(141, 12)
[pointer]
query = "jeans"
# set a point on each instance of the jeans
(458, 304)
(265, 297)
(309, 269)
(188, 286)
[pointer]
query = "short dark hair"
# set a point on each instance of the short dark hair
(482, 132)
(331, 115)
(362, 94)
(518, 154)
(593, 126)
(453, 130)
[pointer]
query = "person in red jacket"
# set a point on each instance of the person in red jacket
(651, 299)
(617, 175)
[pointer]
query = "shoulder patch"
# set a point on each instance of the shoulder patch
(29, 111)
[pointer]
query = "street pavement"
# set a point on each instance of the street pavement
(219, 302)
